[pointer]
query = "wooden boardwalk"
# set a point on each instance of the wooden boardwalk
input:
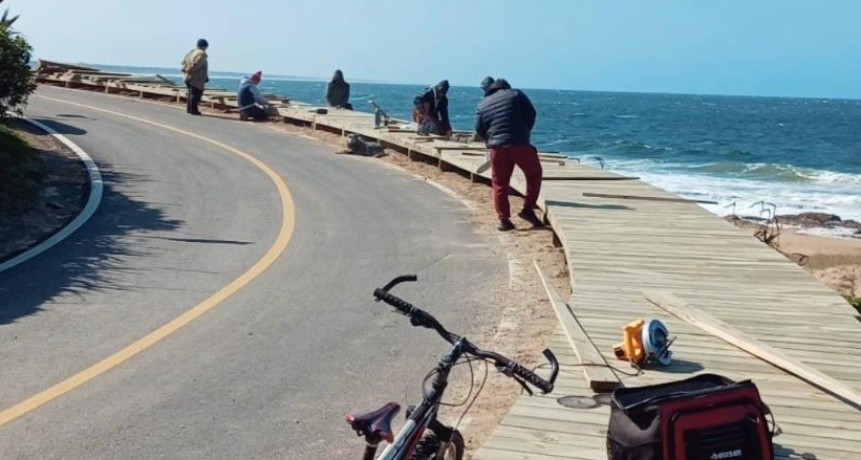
(616, 248)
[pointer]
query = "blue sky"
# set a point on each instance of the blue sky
(749, 47)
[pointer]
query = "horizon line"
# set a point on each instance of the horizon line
(388, 82)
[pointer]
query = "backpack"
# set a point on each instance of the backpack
(706, 417)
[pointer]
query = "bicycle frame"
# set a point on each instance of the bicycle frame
(424, 416)
(375, 426)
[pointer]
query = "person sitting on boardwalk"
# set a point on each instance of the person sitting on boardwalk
(505, 118)
(251, 102)
(195, 68)
(430, 110)
(338, 92)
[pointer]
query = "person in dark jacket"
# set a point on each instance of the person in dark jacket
(485, 84)
(251, 103)
(504, 119)
(338, 92)
(431, 110)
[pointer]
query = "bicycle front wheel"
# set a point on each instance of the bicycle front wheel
(431, 447)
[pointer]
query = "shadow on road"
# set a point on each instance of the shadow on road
(61, 127)
(202, 240)
(82, 262)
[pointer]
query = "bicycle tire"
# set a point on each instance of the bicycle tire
(428, 448)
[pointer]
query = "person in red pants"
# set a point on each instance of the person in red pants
(505, 118)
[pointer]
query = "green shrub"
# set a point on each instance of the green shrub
(20, 173)
(16, 82)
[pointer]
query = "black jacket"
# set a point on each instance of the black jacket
(437, 103)
(338, 93)
(505, 116)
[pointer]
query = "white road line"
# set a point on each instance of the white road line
(96, 190)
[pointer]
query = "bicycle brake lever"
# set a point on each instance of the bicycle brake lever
(504, 371)
(523, 384)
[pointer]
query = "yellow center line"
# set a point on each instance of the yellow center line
(278, 247)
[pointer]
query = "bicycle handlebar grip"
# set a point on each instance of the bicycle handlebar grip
(554, 365)
(401, 305)
(531, 377)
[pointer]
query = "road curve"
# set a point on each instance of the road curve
(270, 371)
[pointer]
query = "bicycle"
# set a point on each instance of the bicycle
(423, 437)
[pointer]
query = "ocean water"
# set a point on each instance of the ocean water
(795, 155)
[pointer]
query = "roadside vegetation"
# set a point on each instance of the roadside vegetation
(20, 169)
(20, 174)
(16, 82)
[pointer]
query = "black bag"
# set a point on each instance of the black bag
(706, 417)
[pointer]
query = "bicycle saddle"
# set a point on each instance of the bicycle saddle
(376, 425)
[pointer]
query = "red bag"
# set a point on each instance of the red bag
(707, 417)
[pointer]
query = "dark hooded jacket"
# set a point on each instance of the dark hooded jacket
(338, 91)
(437, 100)
(505, 116)
(248, 94)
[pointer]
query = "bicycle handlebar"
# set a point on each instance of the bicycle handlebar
(509, 367)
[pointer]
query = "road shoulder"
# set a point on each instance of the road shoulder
(64, 188)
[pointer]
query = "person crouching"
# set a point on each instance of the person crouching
(251, 103)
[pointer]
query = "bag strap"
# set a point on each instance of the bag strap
(689, 394)
(774, 429)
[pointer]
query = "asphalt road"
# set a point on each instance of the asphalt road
(270, 371)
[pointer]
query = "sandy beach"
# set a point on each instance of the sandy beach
(832, 260)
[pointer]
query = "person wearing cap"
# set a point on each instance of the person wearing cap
(195, 69)
(485, 83)
(504, 119)
(430, 110)
(338, 92)
(251, 103)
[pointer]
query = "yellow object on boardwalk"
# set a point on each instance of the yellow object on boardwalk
(644, 342)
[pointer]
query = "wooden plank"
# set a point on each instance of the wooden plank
(598, 373)
(703, 320)
(546, 159)
(647, 198)
(98, 74)
(585, 178)
(55, 65)
(460, 147)
(540, 154)
(400, 130)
